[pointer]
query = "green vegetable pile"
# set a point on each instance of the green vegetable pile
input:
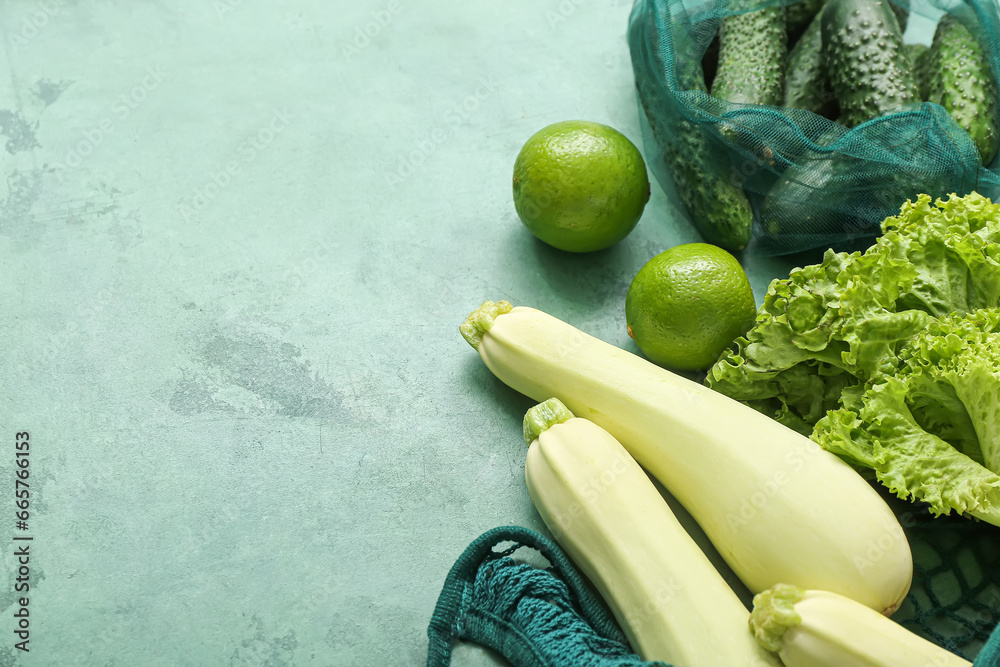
(853, 51)
(891, 358)
(785, 128)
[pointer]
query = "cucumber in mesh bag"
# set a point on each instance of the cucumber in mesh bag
(806, 83)
(958, 77)
(718, 209)
(868, 68)
(869, 73)
(752, 50)
(918, 55)
(799, 16)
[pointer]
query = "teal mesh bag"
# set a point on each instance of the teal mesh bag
(837, 184)
(990, 656)
(533, 616)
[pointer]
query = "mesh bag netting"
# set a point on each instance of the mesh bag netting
(839, 182)
(954, 600)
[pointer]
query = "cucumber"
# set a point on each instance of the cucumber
(959, 79)
(804, 206)
(917, 54)
(868, 69)
(800, 15)
(718, 208)
(806, 84)
(752, 51)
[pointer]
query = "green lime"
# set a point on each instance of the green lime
(580, 186)
(687, 304)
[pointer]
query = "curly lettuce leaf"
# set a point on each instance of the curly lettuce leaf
(927, 421)
(830, 326)
(955, 249)
(953, 369)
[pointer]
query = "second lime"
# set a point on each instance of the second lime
(687, 304)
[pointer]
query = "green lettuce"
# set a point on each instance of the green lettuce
(825, 330)
(927, 421)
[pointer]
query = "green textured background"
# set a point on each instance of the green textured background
(237, 240)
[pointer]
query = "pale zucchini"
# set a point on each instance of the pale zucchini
(605, 512)
(822, 629)
(777, 507)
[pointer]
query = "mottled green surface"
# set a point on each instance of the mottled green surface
(752, 52)
(958, 77)
(237, 242)
(868, 69)
(806, 83)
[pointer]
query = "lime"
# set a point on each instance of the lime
(580, 186)
(687, 304)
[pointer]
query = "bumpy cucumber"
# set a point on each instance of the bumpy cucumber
(718, 208)
(867, 66)
(806, 84)
(801, 14)
(752, 51)
(959, 79)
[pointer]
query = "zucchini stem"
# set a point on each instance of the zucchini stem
(481, 320)
(774, 614)
(544, 416)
